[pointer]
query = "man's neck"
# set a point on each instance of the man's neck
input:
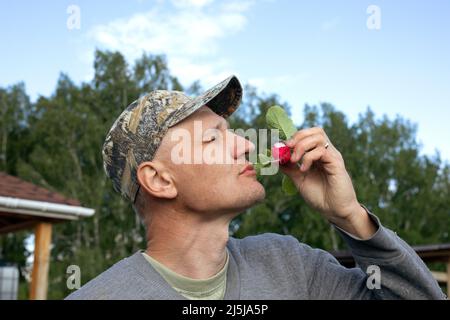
(187, 244)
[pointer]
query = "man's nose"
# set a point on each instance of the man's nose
(241, 146)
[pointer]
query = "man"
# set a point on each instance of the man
(187, 207)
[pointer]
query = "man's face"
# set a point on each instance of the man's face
(217, 177)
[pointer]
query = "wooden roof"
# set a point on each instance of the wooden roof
(14, 187)
(24, 204)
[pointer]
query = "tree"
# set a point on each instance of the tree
(56, 143)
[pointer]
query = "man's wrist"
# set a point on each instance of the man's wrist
(357, 223)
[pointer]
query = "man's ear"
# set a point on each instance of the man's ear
(154, 178)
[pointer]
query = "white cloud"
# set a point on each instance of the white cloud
(188, 32)
(331, 24)
(191, 3)
(237, 6)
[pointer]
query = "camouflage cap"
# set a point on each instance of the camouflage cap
(137, 133)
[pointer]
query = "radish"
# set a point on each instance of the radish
(281, 152)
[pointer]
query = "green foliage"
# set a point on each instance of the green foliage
(56, 142)
(277, 118)
(263, 161)
(288, 186)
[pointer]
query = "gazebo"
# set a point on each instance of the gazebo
(24, 205)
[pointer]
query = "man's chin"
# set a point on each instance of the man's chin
(262, 194)
(255, 196)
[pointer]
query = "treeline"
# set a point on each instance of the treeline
(56, 143)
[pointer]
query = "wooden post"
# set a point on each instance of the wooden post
(448, 278)
(39, 277)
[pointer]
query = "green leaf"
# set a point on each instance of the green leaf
(264, 160)
(258, 167)
(288, 186)
(277, 118)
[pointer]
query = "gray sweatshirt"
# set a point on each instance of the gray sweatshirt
(272, 266)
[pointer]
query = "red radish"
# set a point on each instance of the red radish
(281, 152)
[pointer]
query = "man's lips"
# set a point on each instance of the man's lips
(247, 170)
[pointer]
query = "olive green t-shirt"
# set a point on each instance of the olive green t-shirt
(195, 289)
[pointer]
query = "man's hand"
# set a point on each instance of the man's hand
(324, 183)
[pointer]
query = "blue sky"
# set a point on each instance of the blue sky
(306, 51)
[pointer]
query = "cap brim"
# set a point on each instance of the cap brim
(223, 98)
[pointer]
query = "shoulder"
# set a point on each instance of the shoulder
(267, 242)
(277, 245)
(270, 245)
(117, 282)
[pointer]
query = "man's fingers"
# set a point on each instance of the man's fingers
(301, 134)
(312, 156)
(307, 144)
